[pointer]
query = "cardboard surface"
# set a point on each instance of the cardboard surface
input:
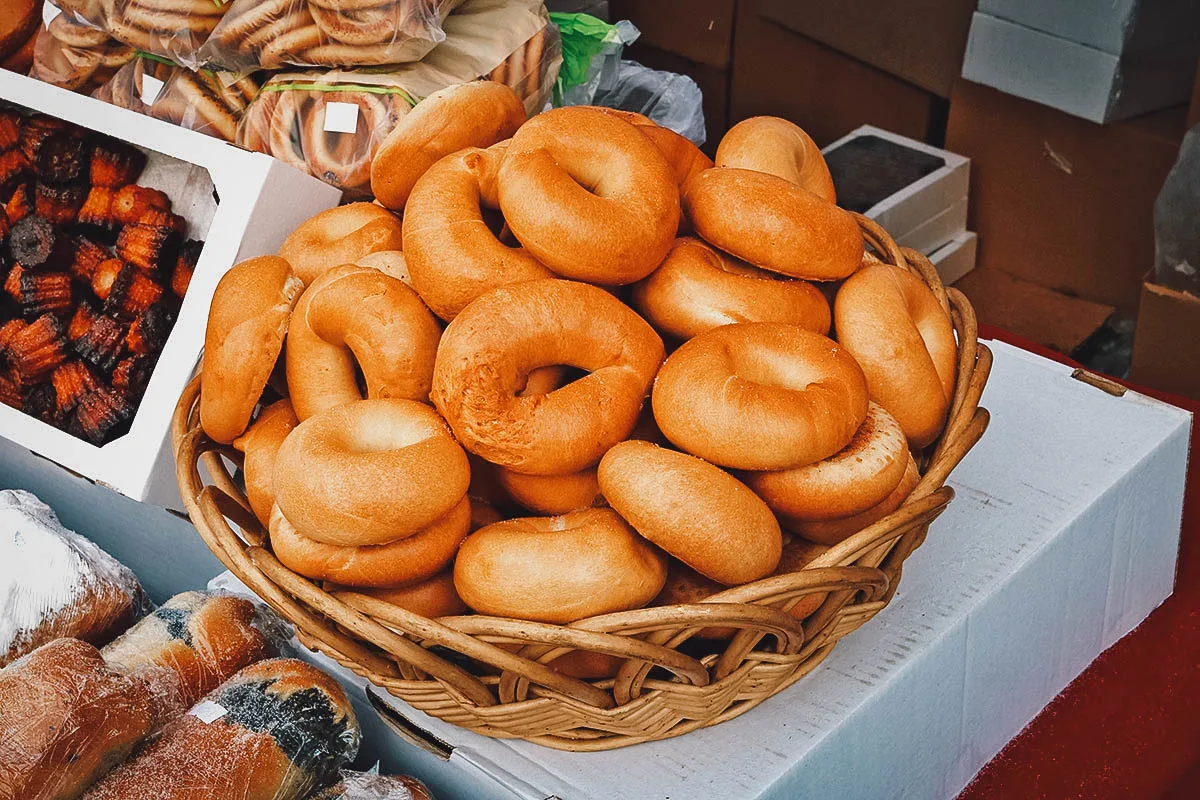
(1059, 201)
(939, 231)
(248, 219)
(919, 41)
(956, 258)
(1113, 26)
(1049, 318)
(1078, 79)
(778, 71)
(1062, 537)
(697, 30)
(1166, 347)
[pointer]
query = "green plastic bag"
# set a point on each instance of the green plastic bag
(587, 43)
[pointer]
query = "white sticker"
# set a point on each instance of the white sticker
(151, 87)
(341, 117)
(209, 712)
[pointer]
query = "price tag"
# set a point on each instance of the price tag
(209, 712)
(151, 88)
(341, 117)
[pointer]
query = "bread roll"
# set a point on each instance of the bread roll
(260, 444)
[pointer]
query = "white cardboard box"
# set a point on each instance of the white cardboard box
(1062, 538)
(1114, 26)
(261, 201)
(1084, 81)
(956, 258)
(928, 213)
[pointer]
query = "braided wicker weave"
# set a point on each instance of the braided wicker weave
(490, 675)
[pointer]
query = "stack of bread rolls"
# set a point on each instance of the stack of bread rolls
(635, 394)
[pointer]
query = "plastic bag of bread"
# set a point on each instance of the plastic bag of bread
(328, 125)
(55, 583)
(278, 730)
(325, 33)
(76, 56)
(192, 643)
(371, 786)
(173, 29)
(204, 101)
(66, 718)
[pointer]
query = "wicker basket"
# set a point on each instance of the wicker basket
(490, 675)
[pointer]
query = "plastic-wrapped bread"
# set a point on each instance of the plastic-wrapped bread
(66, 719)
(278, 730)
(76, 56)
(55, 583)
(366, 786)
(192, 643)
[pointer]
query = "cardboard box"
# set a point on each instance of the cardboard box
(955, 259)
(1050, 318)
(700, 31)
(1093, 84)
(1166, 349)
(924, 214)
(919, 41)
(1113, 26)
(1059, 201)
(249, 217)
(1061, 539)
(778, 71)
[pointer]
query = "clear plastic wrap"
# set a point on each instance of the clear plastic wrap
(371, 786)
(55, 583)
(672, 100)
(331, 124)
(1176, 214)
(325, 33)
(66, 718)
(173, 29)
(76, 56)
(278, 730)
(193, 643)
(203, 101)
(592, 51)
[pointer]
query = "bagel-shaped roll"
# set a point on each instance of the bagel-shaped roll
(339, 236)
(452, 254)
(895, 328)
(698, 288)
(780, 148)
(683, 157)
(475, 114)
(389, 262)
(483, 513)
(558, 569)
(411, 559)
(369, 472)
(760, 396)
(247, 324)
(260, 444)
(553, 494)
(773, 223)
(587, 666)
(860, 475)
(700, 514)
(434, 597)
(488, 351)
(357, 316)
(832, 531)
(589, 196)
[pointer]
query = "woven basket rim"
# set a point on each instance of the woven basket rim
(664, 687)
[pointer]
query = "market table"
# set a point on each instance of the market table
(1129, 726)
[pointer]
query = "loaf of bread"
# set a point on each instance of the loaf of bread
(54, 583)
(365, 786)
(192, 644)
(277, 730)
(66, 719)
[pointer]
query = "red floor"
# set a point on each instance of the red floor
(1129, 726)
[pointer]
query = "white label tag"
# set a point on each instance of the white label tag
(151, 87)
(209, 712)
(341, 117)
(49, 12)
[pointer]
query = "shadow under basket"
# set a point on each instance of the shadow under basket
(490, 674)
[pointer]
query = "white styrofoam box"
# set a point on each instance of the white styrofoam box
(956, 258)
(259, 202)
(939, 231)
(1062, 537)
(907, 212)
(1072, 77)
(1113, 26)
